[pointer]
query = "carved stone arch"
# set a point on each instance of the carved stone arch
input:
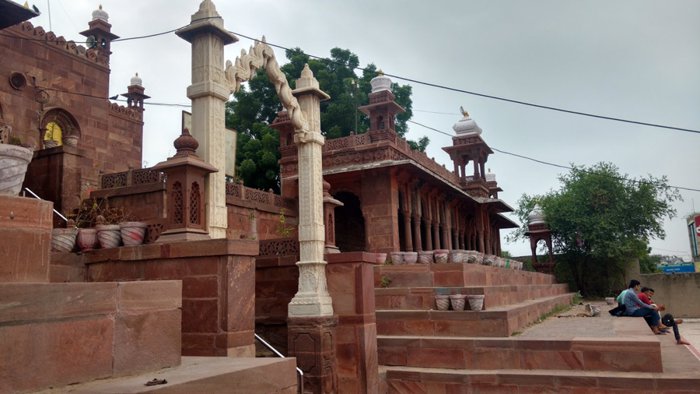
(58, 120)
(261, 55)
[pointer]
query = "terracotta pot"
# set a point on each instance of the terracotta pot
(13, 167)
(133, 233)
(476, 302)
(410, 257)
(457, 256)
(63, 239)
(457, 302)
(425, 257)
(109, 235)
(442, 302)
(87, 239)
(380, 258)
(396, 258)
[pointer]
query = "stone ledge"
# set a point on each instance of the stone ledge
(205, 375)
(204, 248)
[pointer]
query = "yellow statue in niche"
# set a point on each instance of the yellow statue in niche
(54, 133)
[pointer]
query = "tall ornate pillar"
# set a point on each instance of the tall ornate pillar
(417, 240)
(311, 325)
(436, 223)
(428, 225)
(446, 226)
(209, 92)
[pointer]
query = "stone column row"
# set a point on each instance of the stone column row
(431, 222)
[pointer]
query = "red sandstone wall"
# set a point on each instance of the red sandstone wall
(110, 136)
(48, 338)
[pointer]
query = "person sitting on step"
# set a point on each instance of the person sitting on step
(636, 308)
(667, 321)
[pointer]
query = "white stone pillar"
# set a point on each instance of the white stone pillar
(209, 92)
(312, 298)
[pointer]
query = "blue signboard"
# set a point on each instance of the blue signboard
(678, 268)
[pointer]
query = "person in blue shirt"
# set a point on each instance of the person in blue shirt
(636, 308)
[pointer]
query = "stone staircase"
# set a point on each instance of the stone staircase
(423, 350)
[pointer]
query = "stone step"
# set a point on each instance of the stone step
(634, 354)
(423, 298)
(412, 380)
(203, 375)
(500, 321)
(456, 275)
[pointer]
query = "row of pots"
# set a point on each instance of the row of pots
(443, 256)
(457, 302)
(102, 236)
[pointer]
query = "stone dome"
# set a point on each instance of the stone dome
(466, 125)
(536, 216)
(100, 14)
(490, 177)
(136, 80)
(380, 82)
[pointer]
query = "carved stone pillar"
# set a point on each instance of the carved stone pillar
(312, 299)
(209, 93)
(312, 341)
(416, 219)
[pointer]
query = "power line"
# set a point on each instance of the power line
(546, 162)
(489, 96)
(430, 84)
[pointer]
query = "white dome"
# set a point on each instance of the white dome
(136, 80)
(490, 177)
(536, 216)
(466, 125)
(100, 14)
(380, 82)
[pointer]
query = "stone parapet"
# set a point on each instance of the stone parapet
(56, 334)
(218, 279)
(25, 239)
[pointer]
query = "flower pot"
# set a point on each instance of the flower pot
(441, 256)
(457, 256)
(442, 302)
(87, 239)
(476, 302)
(13, 167)
(396, 258)
(380, 258)
(109, 235)
(488, 260)
(133, 233)
(410, 257)
(473, 257)
(457, 302)
(425, 257)
(70, 140)
(63, 239)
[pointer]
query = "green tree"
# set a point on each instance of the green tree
(255, 107)
(600, 221)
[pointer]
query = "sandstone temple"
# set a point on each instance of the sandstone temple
(374, 270)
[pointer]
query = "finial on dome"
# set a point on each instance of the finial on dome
(306, 72)
(136, 80)
(185, 144)
(100, 14)
(466, 125)
(536, 216)
(380, 82)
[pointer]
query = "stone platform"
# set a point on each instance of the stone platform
(203, 375)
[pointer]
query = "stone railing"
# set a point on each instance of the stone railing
(397, 143)
(279, 247)
(237, 190)
(143, 176)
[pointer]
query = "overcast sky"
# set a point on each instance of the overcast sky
(631, 59)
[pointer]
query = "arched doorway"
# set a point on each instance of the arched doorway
(58, 127)
(349, 224)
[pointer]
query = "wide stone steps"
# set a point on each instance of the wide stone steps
(409, 380)
(423, 298)
(456, 275)
(642, 354)
(500, 321)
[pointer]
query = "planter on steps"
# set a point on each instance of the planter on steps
(109, 235)
(442, 302)
(457, 302)
(63, 239)
(476, 302)
(133, 233)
